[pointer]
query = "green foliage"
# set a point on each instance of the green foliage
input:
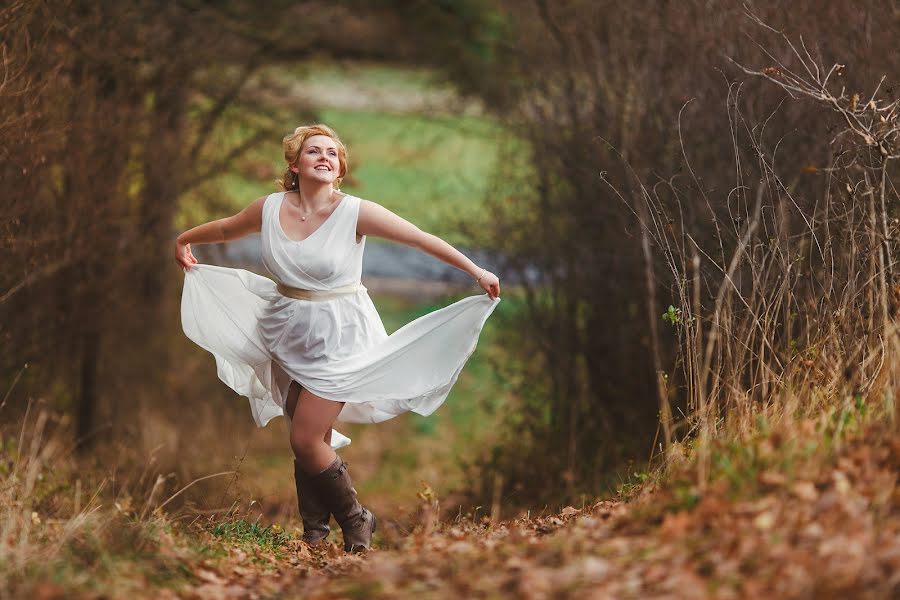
(672, 316)
(632, 484)
(745, 463)
(240, 531)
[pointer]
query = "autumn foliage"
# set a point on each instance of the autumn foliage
(711, 202)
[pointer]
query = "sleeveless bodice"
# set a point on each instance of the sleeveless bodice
(328, 258)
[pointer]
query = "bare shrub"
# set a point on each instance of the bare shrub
(790, 311)
(601, 97)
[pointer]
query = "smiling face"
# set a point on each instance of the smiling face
(318, 160)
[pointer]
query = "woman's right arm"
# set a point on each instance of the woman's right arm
(230, 228)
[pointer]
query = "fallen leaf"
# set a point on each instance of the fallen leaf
(841, 483)
(805, 491)
(764, 521)
(210, 577)
(675, 524)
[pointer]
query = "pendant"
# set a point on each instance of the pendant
(302, 218)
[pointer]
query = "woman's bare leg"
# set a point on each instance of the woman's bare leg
(310, 428)
(326, 474)
(291, 405)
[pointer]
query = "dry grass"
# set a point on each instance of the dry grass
(788, 509)
(788, 311)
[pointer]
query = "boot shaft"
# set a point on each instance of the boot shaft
(313, 510)
(336, 489)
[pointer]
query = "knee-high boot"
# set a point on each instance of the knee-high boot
(336, 489)
(313, 510)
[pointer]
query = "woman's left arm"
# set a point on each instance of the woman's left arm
(378, 221)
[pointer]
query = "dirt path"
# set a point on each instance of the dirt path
(834, 533)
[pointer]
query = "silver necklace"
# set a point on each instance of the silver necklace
(304, 217)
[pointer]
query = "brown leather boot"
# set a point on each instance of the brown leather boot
(313, 510)
(357, 523)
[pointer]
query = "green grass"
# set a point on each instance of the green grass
(432, 170)
(365, 75)
(429, 170)
(242, 532)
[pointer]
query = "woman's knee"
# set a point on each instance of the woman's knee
(311, 424)
(305, 443)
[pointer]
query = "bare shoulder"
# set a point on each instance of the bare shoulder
(369, 206)
(254, 210)
(257, 205)
(378, 221)
(373, 213)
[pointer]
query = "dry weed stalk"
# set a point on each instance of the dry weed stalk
(43, 517)
(794, 311)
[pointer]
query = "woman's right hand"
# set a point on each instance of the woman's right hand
(183, 255)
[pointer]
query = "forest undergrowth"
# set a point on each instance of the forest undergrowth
(791, 508)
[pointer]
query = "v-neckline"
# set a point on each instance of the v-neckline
(316, 230)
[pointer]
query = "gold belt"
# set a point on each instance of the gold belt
(318, 295)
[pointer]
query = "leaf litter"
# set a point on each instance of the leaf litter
(827, 528)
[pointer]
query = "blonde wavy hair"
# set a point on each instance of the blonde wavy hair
(293, 143)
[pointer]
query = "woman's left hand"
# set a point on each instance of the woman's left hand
(183, 255)
(491, 284)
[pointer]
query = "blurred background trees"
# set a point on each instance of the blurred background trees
(114, 117)
(614, 105)
(108, 118)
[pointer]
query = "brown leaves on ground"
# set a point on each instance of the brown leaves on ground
(829, 530)
(832, 533)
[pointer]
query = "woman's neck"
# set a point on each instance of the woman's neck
(313, 195)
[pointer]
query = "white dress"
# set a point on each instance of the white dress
(338, 349)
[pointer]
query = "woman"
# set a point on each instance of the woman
(311, 344)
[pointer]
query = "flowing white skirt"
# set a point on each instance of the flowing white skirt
(411, 370)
